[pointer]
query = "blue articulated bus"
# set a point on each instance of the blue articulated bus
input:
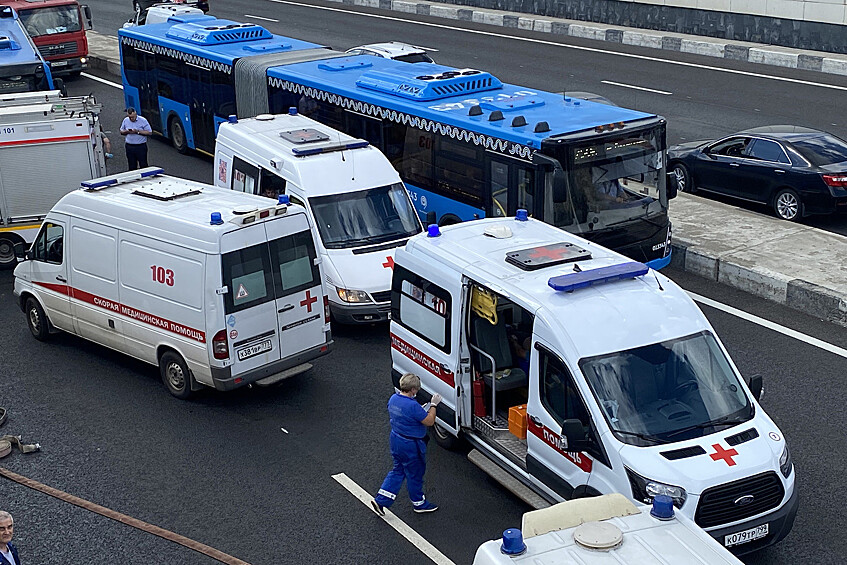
(466, 144)
(22, 69)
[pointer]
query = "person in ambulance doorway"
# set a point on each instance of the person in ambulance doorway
(136, 129)
(407, 441)
(8, 551)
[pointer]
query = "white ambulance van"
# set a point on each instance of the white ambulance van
(217, 288)
(574, 371)
(607, 529)
(358, 206)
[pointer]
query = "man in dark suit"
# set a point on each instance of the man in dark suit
(8, 551)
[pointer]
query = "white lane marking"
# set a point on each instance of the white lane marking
(575, 47)
(283, 429)
(104, 81)
(622, 85)
(392, 520)
(770, 325)
(261, 18)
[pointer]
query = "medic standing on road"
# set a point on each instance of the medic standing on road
(409, 421)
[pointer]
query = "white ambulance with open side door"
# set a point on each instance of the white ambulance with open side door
(626, 387)
(48, 145)
(215, 287)
(359, 208)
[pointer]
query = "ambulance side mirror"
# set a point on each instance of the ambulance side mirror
(574, 433)
(755, 385)
(22, 252)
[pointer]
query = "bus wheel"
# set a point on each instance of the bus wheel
(36, 319)
(7, 253)
(449, 220)
(444, 438)
(175, 374)
(178, 135)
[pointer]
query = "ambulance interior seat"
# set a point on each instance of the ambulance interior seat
(492, 339)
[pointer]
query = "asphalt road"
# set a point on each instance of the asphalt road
(221, 470)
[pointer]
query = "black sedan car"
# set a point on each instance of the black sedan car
(797, 171)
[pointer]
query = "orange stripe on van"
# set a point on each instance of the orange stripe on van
(127, 311)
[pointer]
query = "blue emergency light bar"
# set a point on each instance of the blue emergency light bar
(103, 182)
(329, 148)
(582, 279)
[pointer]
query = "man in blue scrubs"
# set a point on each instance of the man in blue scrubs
(409, 421)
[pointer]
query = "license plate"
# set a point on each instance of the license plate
(253, 350)
(747, 535)
(58, 63)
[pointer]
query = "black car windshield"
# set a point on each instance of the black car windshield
(821, 150)
(414, 58)
(48, 21)
(369, 216)
(668, 391)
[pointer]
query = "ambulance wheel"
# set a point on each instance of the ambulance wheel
(444, 438)
(175, 374)
(177, 132)
(7, 253)
(36, 319)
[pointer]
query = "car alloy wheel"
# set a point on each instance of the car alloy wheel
(787, 205)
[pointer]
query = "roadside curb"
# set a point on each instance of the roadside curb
(809, 298)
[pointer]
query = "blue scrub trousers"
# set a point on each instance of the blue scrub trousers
(409, 464)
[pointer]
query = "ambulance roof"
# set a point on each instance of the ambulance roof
(175, 210)
(600, 318)
(315, 157)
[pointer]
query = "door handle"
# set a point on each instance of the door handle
(536, 421)
(735, 164)
(60, 278)
(286, 308)
(780, 171)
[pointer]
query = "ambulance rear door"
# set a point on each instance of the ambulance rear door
(250, 303)
(297, 280)
(425, 332)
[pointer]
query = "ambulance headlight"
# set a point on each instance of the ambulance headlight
(644, 490)
(785, 462)
(356, 296)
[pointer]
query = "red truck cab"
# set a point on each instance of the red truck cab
(58, 29)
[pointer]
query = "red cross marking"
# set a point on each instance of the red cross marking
(389, 262)
(721, 453)
(547, 253)
(312, 299)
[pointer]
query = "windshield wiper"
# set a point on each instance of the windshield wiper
(711, 424)
(645, 437)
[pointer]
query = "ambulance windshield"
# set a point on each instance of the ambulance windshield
(669, 391)
(375, 215)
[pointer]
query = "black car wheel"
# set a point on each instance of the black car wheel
(787, 204)
(682, 177)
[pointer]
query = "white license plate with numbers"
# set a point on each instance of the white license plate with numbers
(58, 63)
(252, 350)
(747, 535)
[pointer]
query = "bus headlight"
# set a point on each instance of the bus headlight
(357, 296)
(785, 462)
(644, 490)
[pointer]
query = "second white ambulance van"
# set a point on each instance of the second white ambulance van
(217, 288)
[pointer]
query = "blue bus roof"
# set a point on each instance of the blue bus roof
(446, 95)
(223, 41)
(15, 46)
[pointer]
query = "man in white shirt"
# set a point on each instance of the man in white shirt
(136, 129)
(8, 551)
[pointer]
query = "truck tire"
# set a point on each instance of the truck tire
(175, 374)
(37, 320)
(444, 438)
(177, 135)
(7, 252)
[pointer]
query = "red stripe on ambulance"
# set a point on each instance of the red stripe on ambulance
(49, 140)
(127, 311)
(423, 360)
(554, 440)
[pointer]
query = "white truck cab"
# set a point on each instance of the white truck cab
(359, 208)
(217, 288)
(605, 529)
(574, 371)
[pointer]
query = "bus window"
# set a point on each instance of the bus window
(244, 176)
(224, 93)
(526, 189)
(416, 163)
(499, 189)
(458, 171)
(171, 77)
(364, 128)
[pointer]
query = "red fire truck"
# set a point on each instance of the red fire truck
(58, 29)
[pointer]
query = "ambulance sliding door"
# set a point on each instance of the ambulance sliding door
(426, 316)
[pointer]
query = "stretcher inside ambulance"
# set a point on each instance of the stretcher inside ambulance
(580, 372)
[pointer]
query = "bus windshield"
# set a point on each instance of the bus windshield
(666, 392)
(612, 182)
(52, 20)
(375, 215)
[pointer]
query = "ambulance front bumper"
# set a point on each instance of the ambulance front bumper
(360, 314)
(779, 524)
(222, 378)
